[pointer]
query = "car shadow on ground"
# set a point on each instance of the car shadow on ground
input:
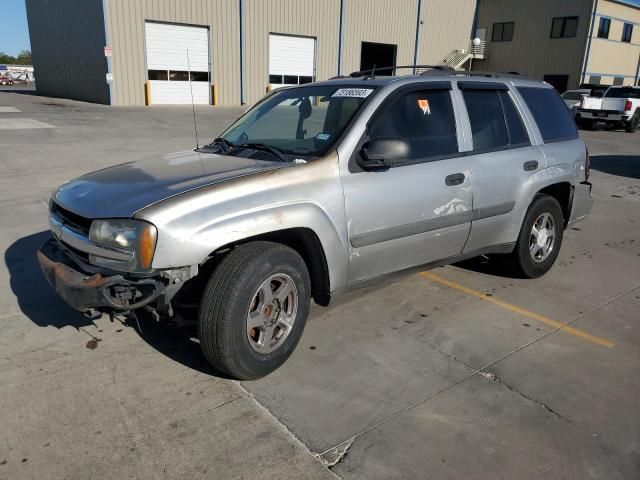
(39, 302)
(177, 343)
(490, 265)
(620, 165)
(36, 298)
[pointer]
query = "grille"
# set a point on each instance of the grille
(71, 220)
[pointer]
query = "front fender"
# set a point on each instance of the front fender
(194, 225)
(224, 231)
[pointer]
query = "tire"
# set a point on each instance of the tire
(632, 124)
(586, 124)
(235, 291)
(521, 263)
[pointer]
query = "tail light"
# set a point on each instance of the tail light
(627, 106)
(587, 164)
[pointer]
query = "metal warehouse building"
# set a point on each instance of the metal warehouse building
(567, 43)
(124, 52)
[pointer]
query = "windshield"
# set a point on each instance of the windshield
(304, 121)
(623, 93)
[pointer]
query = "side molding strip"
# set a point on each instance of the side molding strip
(493, 210)
(429, 225)
(406, 230)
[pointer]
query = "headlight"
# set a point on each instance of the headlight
(133, 236)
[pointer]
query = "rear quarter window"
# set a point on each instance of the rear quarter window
(550, 113)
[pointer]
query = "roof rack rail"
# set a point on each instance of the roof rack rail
(372, 71)
(489, 74)
(433, 70)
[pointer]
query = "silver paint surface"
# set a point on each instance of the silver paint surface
(368, 223)
(120, 191)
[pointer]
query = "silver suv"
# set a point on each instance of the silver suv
(318, 189)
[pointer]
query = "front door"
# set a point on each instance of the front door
(419, 210)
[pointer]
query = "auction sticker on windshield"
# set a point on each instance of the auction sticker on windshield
(353, 92)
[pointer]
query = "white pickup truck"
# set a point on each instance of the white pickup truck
(620, 106)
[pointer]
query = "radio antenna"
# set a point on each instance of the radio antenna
(193, 105)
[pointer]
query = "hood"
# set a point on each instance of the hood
(122, 190)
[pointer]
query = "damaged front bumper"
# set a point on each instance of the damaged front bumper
(86, 291)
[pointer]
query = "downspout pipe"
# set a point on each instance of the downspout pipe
(341, 37)
(107, 42)
(474, 25)
(586, 61)
(243, 73)
(417, 44)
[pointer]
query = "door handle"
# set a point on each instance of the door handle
(530, 166)
(454, 179)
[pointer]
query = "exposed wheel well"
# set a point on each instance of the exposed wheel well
(307, 244)
(563, 193)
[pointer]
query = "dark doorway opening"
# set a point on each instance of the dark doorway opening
(378, 55)
(559, 82)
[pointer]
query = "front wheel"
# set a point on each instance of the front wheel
(254, 309)
(539, 241)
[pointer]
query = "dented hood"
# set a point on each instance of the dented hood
(122, 190)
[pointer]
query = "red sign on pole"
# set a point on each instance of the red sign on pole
(108, 52)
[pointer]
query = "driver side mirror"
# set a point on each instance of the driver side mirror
(382, 153)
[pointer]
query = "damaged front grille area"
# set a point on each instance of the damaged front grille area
(73, 221)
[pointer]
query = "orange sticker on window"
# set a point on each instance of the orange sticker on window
(424, 106)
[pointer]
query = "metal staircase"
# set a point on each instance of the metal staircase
(457, 58)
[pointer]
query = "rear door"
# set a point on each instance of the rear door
(419, 210)
(505, 166)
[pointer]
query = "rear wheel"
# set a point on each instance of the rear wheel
(632, 124)
(539, 241)
(586, 124)
(254, 309)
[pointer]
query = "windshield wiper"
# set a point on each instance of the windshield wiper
(264, 148)
(225, 144)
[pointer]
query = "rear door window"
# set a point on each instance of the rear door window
(550, 113)
(495, 122)
(487, 120)
(624, 92)
(515, 127)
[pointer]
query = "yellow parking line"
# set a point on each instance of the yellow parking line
(519, 310)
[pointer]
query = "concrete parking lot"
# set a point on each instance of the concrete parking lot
(458, 372)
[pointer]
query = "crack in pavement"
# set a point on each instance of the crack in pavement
(402, 411)
(493, 377)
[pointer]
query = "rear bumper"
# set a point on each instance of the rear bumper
(582, 202)
(602, 115)
(86, 291)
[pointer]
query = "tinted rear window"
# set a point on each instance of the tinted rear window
(517, 133)
(623, 93)
(488, 128)
(495, 122)
(550, 113)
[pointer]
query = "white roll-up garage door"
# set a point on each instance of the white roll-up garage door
(291, 60)
(168, 69)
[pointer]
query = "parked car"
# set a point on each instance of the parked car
(572, 99)
(619, 107)
(6, 80)
(316, 190)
